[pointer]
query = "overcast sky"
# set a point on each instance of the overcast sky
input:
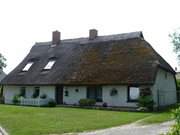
(22, 23)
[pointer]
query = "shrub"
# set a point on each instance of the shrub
(146, 102)
(105, 104)
(87, 102)
(43, 96)
(51, 103)
(175, 130)
(16, 99)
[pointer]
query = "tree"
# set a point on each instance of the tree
(175, 39)
(2, 62)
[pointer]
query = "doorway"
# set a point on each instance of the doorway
(59, 94)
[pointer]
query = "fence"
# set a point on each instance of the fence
(29, 101)
(33, 102)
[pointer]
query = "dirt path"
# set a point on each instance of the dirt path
(133, 129)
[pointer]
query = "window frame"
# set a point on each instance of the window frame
(46, 67)
(26, 68)
(95, 89)
(128, 94)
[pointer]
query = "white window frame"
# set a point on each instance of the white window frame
(133, 94)
(28, 66)
(50, 64)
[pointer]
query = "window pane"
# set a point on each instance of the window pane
(99, 94)
(95, 93)
(91, 93)
(50, 64)
(134, 93)
(36, 92)
(27, 67)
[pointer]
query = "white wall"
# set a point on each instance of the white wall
(74, 97)
(118, 100)
(10, 91)
(166, 88)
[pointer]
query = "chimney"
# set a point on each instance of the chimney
(93, 33)
(56, 37)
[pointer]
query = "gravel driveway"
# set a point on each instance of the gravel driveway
(133, 129)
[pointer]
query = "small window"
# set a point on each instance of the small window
(133, 94)
(36, 92)
(66, 93)
(77, 90)
(49, 65)
(27, 67)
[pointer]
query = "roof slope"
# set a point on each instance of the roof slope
(115, 59)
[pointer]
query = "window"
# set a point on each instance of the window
(22, 91)
(36, 92)
(66, 93)
(95, 92)
(49, 65)
(77, 90)
(133, 94)
(27, 67)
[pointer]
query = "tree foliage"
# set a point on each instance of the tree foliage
(175, 39)
(2, 62)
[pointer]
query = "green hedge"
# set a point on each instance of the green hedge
(87, 102)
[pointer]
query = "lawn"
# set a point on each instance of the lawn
(158, 117)
(19, 120)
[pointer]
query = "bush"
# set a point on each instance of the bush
(175, 130)
(87, 102)
(105, 104)
(51, 103)
(146, 102)
(16, 99)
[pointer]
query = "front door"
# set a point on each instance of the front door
(59, 94)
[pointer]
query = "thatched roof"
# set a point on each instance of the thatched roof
(115, 59)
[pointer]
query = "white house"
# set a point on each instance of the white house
(111, 69)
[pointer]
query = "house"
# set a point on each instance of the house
(113, 69)
(177, 75)
(2, 74)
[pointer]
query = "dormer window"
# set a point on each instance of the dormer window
(49, 65)
(28, 66)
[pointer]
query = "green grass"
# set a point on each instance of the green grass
(157, 118)
(18, 120)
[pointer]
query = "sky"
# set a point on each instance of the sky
(23, 22)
